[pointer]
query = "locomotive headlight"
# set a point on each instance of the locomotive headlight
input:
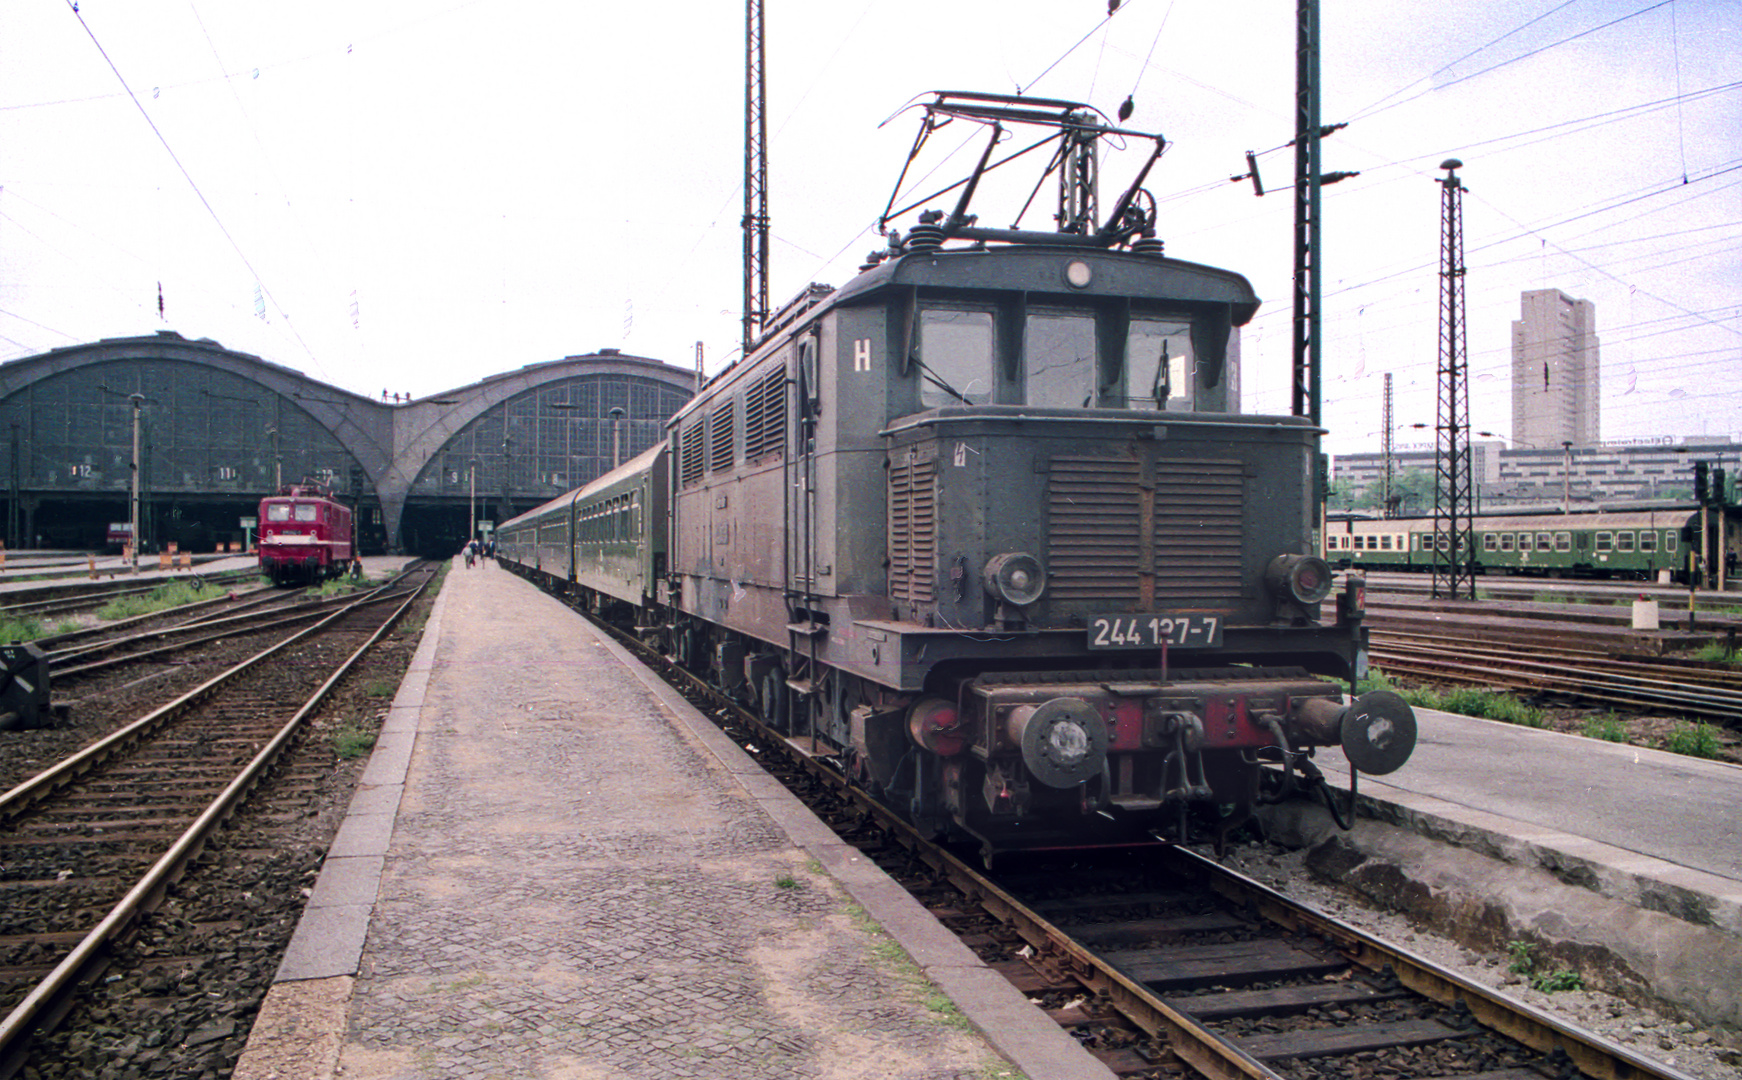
(1305, 579)
(1015, 577)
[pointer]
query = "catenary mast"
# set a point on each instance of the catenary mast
(755, 177)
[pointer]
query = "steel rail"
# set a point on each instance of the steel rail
(59, 657)
(1594, 1055)
(64, 772)
(51, 641)
(178, 646)
(1484, 669)
(1693, 671)
(45, 1004)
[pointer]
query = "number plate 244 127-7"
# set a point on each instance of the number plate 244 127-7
(1150, 631)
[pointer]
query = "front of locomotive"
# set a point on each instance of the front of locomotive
(1105, 570)
(294, 544)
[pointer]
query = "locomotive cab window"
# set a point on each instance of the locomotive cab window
(278, 512)
(955, 364)
(1159, 372)
(1059, 355)
(306, 511)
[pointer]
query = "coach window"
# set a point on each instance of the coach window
(1490, 541)
(1670, 539)
(1563, 541)
(955, 365)
(1647, 540)
(1505, 541)
(1605, 541)
(1158, 366)
(1624, 541)
(1544, 542)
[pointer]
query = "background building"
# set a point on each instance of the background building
(217, 430)
(1555, 390)
(1524, 477)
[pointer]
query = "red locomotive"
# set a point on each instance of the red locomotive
(305, 535)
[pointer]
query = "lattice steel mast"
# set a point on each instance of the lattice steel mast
(1306, 211)
(755, 221)
(1454, 554)
(1386, 509)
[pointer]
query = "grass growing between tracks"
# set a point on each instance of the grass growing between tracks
(173, 595)
(1718, 653)
(1463, 700)
(340, 585)
(1693, 740)
(1606, 728)
(350, 740)
(12, 630)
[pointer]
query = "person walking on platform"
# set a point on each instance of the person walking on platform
(471, 552)
(490, 549)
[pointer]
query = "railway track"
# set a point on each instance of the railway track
(84, 652)
(1184, 966)
(93, 844)
(50, 601)
(1588, 676)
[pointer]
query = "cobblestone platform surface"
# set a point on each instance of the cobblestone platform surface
(576, 876)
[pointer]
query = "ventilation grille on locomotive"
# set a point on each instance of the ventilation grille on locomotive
(1094, 530)
(690, 452)
(913, 529)
(765, 415)
(1199, 524)
(720, 438)
(1106, 533)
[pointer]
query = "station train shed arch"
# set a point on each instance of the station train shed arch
(220, 429)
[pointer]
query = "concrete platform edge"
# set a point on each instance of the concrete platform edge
(301, 1023)
(1627, 877)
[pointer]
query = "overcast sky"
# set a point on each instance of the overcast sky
(414, 196)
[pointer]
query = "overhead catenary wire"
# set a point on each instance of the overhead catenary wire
(194, 185)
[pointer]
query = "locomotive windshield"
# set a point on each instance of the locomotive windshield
(1060, 350)
(1158, 365)
(955, 357)
(282, 511)
(955, 362)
